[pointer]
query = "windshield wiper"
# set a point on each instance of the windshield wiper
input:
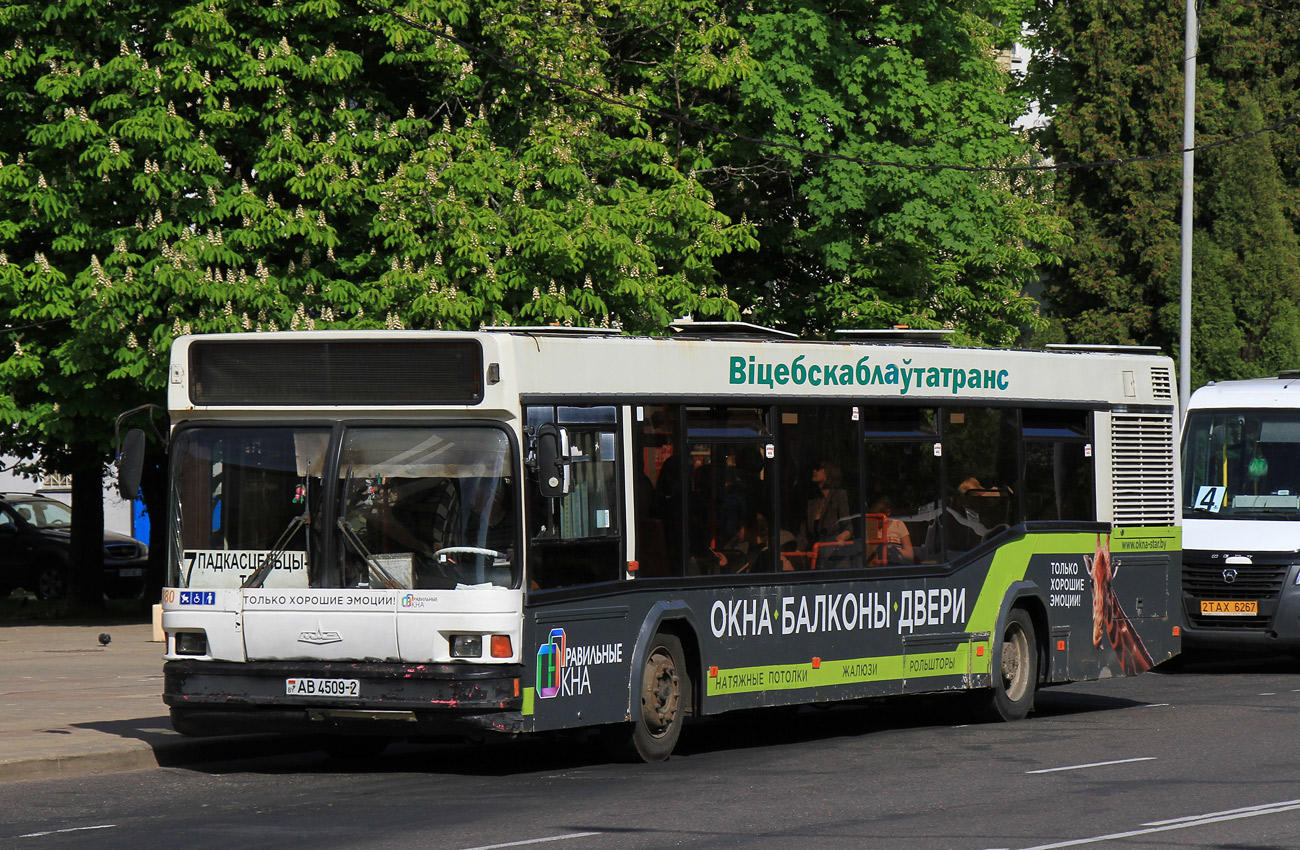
(354, 540)
(301, 521)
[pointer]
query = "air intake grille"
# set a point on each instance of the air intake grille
(320, 372)
(1261, 582)
(1162, 384)
(1143, 468)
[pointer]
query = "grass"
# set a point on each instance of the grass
(23, 607)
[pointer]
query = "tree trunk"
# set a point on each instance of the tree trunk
(86, 558)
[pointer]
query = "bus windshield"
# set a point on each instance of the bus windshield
(1242, 464)
(406, 508)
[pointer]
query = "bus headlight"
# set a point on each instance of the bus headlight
(466, 646)
(191, 643)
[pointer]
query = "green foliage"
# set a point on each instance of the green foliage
(1246, 298)
(850, 241)
(1111, 77)
(188, 166)
(185, 167)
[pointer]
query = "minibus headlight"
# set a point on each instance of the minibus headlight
(191, 643)
(466, 646)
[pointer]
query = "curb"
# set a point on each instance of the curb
(141, 755)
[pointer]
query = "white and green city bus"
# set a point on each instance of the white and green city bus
(406, 534)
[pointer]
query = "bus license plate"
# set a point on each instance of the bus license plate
(1229, 607)
(322, 687)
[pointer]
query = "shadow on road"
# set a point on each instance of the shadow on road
(1235, 663)
(551, 752)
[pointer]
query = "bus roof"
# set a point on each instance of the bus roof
(484, 371)
(1275, 391)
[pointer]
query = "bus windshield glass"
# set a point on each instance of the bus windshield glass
(1242, 464)
(427, 508)
(407, 508)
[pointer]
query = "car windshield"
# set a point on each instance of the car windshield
(43, 513)
(408, 507)
(1241, 464)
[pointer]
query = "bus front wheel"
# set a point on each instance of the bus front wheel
(663, 700)
(1015, 672)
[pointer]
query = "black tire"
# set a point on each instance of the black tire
(665, 693)
(181, 723)
(1015, 670)
(52, 581)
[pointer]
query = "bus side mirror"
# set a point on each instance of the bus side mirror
(553, 470)
(130, 464)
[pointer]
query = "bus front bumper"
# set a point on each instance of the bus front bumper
(395, 699)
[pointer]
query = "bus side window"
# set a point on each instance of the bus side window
(576, 539)
(981, 472)
(1058, 465)
(822, 526)
(902, 486)
(658, 491)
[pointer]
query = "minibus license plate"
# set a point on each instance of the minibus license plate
(1229, 607)
(322, 687)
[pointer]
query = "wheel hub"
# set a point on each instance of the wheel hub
(660, 694)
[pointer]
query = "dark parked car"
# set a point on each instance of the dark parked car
(35, 537)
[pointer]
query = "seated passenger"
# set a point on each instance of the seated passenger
(892, 536)
(828, 518)
(747, 549)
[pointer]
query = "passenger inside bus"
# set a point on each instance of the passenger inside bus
(889, 541)
(827, 531)
(747, 548)
(976, 513)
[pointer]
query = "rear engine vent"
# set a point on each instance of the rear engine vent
(1162, 384)
(333, 371)
(1144, 465)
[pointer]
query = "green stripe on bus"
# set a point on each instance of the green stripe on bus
(528, 702)
(1137, 540)
(784, 677)
(1012, 560)
(1009, 565)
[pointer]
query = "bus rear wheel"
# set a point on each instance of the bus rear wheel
(664, 692)
(1015, 670)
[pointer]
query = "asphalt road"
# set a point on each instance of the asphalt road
(1207, 757)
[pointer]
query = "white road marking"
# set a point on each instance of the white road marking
(69, 829)
(1264, 808)
(1180, 823)
(1092, 764)
(534, 841)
